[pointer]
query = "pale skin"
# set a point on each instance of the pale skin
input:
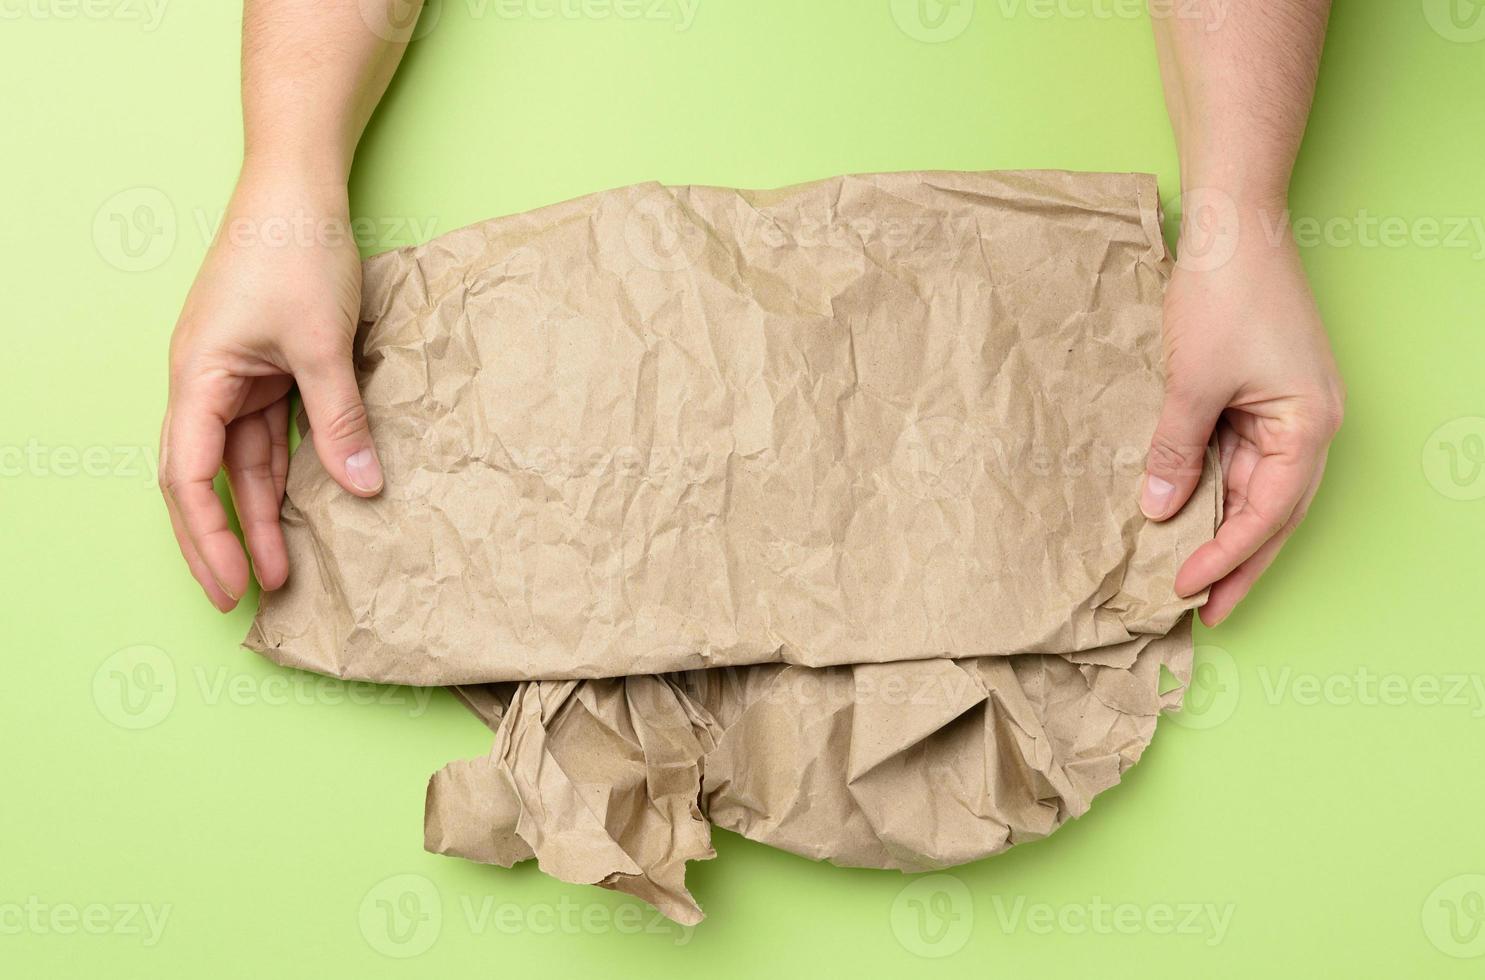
(277, 299)
(1246, 354)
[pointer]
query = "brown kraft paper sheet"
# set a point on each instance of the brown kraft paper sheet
(811, 513)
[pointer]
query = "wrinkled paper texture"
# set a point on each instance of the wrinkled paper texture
(809, 513)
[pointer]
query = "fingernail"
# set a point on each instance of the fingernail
(1155, 501)
(223, 586)
(364, 472)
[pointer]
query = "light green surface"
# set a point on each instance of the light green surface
(1317, 828)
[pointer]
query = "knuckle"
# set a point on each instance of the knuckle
(186, 355)
(344, 421)
(178, 356)
(1318, 431)
(1170, 457)
(170, 482)
(1182, 390)
(251, 471)
(1327, 414)
(179, 372)
(1267, 524)
(259, 525)
(1334, 413)
(322, 350)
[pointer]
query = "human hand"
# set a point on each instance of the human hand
(276, 301)
(1245, 354)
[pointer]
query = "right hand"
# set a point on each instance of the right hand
(276, 302)
(1246, 355)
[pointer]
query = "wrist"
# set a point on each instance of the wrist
(307, 166)
(281, 203)
(1251, 184)
(1245, 199)
(1218, 226)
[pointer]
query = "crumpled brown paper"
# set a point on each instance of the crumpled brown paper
(811, 513)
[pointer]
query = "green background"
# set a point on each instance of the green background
(1337, 833)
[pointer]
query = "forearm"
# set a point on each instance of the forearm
(1239, 81)
(312, 72)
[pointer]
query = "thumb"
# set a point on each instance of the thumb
(337, 417)
(1177, 451)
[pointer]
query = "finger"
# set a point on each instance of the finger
(1278, 482)
(264, 391)
(1228, 444)
(191, 458)
(337, 417)
(194, 562)
(249, 459)
(1177, 451)
(277, 417)
(1231, 590)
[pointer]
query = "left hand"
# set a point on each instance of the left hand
(276, 303)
